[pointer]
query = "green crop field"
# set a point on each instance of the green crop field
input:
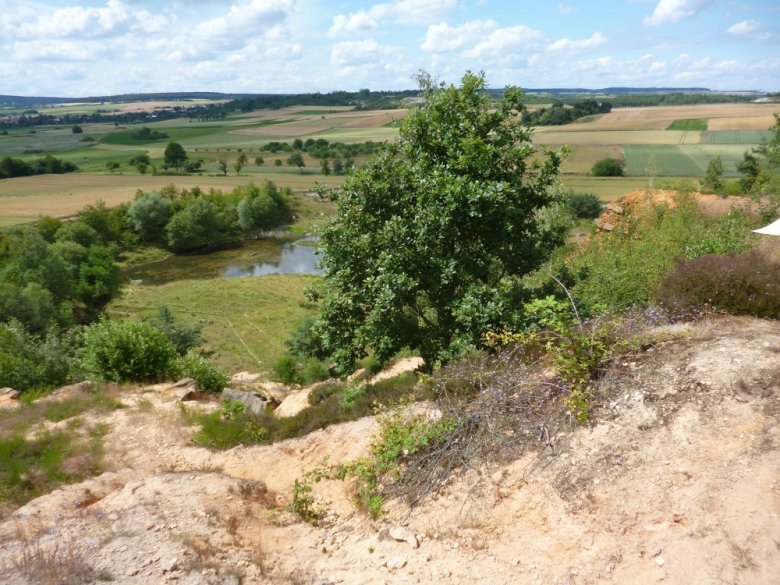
(697, 124)
(742, 137)
(681, 160)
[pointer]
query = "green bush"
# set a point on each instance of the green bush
(626, 266)
(739, 284)
(183, 336)
(583, 205)
(321, 393)
(286, 369)
(608, 167)
(30, 362)
(196, 366)
(125, 351)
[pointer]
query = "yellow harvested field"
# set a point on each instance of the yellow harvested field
(742, 123)
(66, 195)
(611, 137)
(581, 160)
(720, 116)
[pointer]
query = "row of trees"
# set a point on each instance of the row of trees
(187, 220)
(47, 165)
(565, 112)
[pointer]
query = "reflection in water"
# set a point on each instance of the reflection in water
(254, 258)
(295, 259)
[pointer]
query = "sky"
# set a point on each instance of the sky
(79, 48)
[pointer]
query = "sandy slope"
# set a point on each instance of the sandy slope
(677, 482)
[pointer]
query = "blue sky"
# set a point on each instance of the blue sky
(99, 47)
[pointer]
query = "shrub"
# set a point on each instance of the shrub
(739, 284)
(608, 167)
(625, 267)
(583, 205)
(286, 369)
(148, 215)
(125, 351)
(30, 362)
(208, 377)
(183, 336)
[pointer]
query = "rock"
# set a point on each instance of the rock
(659, 561)
(409, 364)
(607, 227)
(395, 563)
(170, 565)
(402, 534)
(185, 390)
(9, 398)
(294, 403)
(615, 207)
(74, 389)
(244, 378)
(255, 404)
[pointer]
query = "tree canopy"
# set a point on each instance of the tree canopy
(175, 156)
(433, 234)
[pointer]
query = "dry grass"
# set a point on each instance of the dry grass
(46, 559)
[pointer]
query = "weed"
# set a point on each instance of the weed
(303, 503)
(332, 403)
(53, 562)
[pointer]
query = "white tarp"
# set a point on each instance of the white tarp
(773, 229)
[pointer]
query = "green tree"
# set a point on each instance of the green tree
(259, 161)
(608, 167)
(148, 215)
(125, 351)
(175, 156)
(223, 166)
(76, 129)
(296, 160)
(194, 226)
(749, 168)
(713, 178)
(325, 167)
(434, 233)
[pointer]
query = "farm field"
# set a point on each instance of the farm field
(744, 116)
(636, 135)
(26, 198)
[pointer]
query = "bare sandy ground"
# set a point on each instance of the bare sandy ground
(677, 481)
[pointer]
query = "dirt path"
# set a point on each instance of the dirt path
(679, 482)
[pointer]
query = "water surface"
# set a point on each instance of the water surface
(252, 258)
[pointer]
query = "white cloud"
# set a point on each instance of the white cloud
(401, 11)
(595, 40)
(674, 10)
(564, 9)
(244, 18)
(443, 37)
(358, 52)
(57, 50)
(112, 20)
(749, 28)
(504, 39)
(352, 24)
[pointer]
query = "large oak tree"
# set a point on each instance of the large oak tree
(434, 233)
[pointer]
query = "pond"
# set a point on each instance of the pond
(275, 255)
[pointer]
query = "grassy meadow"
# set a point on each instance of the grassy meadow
(245, 320)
